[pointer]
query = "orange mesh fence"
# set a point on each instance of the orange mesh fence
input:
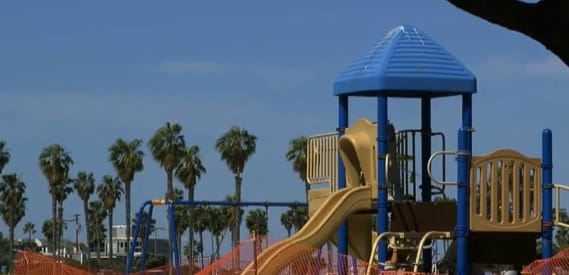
(558, 264)
(307, 260)
(29, 263)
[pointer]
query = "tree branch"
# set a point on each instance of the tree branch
(546, 21)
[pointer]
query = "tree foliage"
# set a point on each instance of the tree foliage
(545, 21)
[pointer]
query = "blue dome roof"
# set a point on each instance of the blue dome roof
(405, 63)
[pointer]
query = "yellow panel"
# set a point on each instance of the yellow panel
(359, 154)
(505, 193)
(315, 199)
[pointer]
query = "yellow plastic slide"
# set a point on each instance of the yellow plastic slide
(319, 228)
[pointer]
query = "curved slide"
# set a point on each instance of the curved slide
(335, 210)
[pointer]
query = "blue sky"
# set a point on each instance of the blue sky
(85, 73)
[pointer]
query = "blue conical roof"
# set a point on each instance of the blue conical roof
(405, 63)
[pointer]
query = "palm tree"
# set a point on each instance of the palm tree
(296, 154)
(48, 230)
(84, 184)
(127, 160)
(200, 225)
(54, 163)
(12, 202)
(286, 221)
(218, 223)
(110, 191)
(235, 147)
(181, 217)
(299, 217)
(4, 156)
(97, 215)
(189, 171)
(257, 222)
(166, 146)
(30, 229)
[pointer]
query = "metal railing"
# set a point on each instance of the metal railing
(407, 159)
(558, 188)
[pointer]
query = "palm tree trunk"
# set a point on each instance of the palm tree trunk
(60, 229)
(191, 191)
(87, 227)
(169, 196)
(237, 228)
(12, 227)
(202, 250)
(127, 208)
(306, 188)
(212, 248)
(111, 237)
(54, 226)
(235, 234)
(98, 250)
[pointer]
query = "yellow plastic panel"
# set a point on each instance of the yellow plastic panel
(505, 193)
(359, 154)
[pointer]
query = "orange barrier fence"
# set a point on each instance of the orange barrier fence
(308, 261)
(558, 264)
(29, 263)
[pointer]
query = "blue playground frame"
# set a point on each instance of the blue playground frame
(172, 224)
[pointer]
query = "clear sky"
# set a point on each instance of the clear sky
(84, 73)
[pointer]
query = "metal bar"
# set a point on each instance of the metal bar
(382, 201)
(375, 244)
(414, 172)
(546, 185)
(146, 236)
(463, 173)
(174, 239)
(135, 236)
(242, 204)
(343, 229)
(430, 162)
(425, 238)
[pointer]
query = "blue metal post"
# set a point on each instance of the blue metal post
(463, 174)
(130, 257)
(547, 196)
(173, 238)
(382, 203)
(343, 230)
(146, 236)
(425, 155)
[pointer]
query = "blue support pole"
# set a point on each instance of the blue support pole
(130, 257)
(425, 155)
(382, 202)
(173, 238)
(343, 229)
(463, 174)
(547, 194)
(146, 236)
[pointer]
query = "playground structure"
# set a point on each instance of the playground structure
(504, 198)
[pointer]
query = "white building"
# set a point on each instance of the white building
(119, 244)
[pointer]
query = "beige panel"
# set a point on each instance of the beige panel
(359, 154)
(315, 199)
(322, 159)
(505, 192)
